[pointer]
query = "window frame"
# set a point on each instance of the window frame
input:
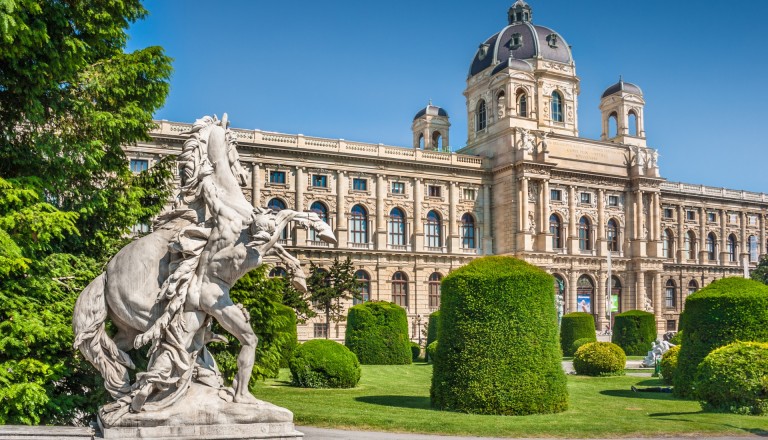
(359, 184)
(138, 165)
(358, 235)
(277, 177)
(400, 289)
(557, 107)
(468, 232)
(396, 227)
(397, 187)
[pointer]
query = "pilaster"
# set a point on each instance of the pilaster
(341, 209)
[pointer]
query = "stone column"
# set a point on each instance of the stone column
(341, 209)
(702, 236)
(600, 298)
(761, 247)
(381, 224)
(642, 225)
(658, 307)
(255, 185)
(487, 226)
(602, 244)
(544, 208)
(681, 257)
(744, 254)
(723, 238)
(453, 227)
(523, 236)
(640, 294)
(573, 238)
(299, 234)
(418, 215)
(573, 279)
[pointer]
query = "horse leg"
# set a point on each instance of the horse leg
(299, 280)
(215, 300)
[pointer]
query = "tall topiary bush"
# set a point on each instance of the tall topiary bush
(734, 379)
(498, 351)
(377, 332)
(634, 331)
(728, 310)
(322, 363)
(433, 331)
(573, 326)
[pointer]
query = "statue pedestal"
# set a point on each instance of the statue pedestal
(202, 414)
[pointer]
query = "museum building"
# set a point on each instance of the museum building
(524, 185)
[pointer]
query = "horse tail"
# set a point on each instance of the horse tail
(94, 343)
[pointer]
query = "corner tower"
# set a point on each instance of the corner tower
(621, 106)
(430, 129)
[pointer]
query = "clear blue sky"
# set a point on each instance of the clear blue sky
(360, 70)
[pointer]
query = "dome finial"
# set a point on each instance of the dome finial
(519, 12)
(621, 78)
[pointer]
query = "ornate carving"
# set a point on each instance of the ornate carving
(533, 191)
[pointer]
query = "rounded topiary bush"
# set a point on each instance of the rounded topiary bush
(498, 350)
(322, 363)
(634, 331)
(579, 342)
(728, 310)
(415, 351)
(431, 352)
(573, 326)
(734, 379)
(599, 359)
(377, 332)
(669, 364)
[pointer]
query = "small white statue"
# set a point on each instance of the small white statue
(657, 351)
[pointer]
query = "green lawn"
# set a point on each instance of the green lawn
(396, 398)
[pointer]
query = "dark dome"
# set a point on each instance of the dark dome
(622, 86)
(532, 41)
(431, 110)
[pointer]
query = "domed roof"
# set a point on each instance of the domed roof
(513, 64)
(431, 110)
(521, 40)
(622, 86)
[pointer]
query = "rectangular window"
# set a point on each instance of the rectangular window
(690, 215)
(469, 194)
(733, 218)
(556, 195)
(360, 184)
(139, 165)
(669, 213)
(398, 188)
(277, 177)
(613, 200)
(321, 330)
(586, 198)
(671, 325)
(434, 191)
(712, 217)
(320, 181)
(752, 220)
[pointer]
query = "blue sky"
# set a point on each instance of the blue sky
(360, 70)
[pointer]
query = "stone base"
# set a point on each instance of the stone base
(278, 431)
(201, 414)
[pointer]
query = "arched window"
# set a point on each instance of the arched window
(468, 231)
(613, 125)
(278, 271)
(278, 205)
(615, 294)
(690, 245)
(585, 234)
(400, 289)
(421, 141)
(670, 294)
(693, 286)
(731, 248)
(501, 103)
(711, 246)
(358, 225)
(668, 243)
(480, 116)
(321, 210)
(363, 286)
(437, 140)
(522, 104)
(613, 235)
(752, 248)
(585, 288)
(632, 122)
(434, 290)
(556, 229)
(557, 107)
(434, 230)
(396, 227)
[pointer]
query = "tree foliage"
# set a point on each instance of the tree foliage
(70, 97)
(327, 288)
(761, 271)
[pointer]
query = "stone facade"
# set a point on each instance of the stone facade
(525, 185)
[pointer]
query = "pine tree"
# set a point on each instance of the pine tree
(327, 288)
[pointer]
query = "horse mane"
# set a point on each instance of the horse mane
(194, 156)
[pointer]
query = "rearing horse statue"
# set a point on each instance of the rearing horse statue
(165, 287)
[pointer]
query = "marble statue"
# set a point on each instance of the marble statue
(527, 141)
(166, 288)
(657, 351)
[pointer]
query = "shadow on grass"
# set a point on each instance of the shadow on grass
(637, 395)
(415, 402)
(675, 417)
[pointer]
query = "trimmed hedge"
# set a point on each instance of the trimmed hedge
(599, 359)
(634, 331)
(734, 379)
(431, 352)
(669, 364)
(322, 363)
(498, 351)
(433, 330)
(728, 310)
(415, 351)
(286, 351)
(573, 326)
(677, 339)
(377, 332)
(579, 342)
